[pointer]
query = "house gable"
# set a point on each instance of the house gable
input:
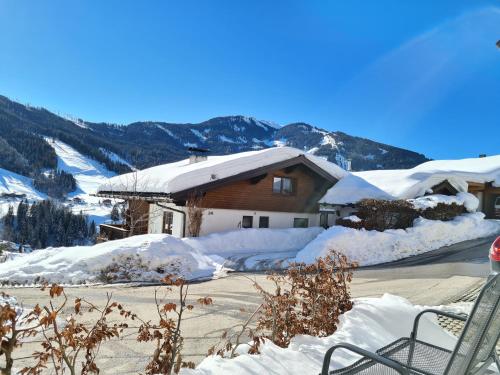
(444, 188)
(254, 190)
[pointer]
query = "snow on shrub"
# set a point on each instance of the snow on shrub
(367, 247)
(151, 257)
(377, 214)
(469, 201)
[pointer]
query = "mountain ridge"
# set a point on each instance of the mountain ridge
(143, 144)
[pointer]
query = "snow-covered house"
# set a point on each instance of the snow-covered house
(479, 176)
(271, 188)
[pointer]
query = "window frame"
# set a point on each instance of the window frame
(243, 220)
(303, 219)
(167, 223)
(293, 186)
(266, 218)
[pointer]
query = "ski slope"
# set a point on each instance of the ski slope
(88, 173)
(13, 183)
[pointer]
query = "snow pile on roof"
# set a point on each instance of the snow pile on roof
(415, 182)
(469, 201)
(371, 324)
(181, 175)
(352, 189)
(141, 257)
(368, 247)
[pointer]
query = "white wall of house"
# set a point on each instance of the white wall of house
(336, 212)
(155, 224)
(218, 220)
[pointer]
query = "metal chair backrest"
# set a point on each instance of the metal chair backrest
(481, 332)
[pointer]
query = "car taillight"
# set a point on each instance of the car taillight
(495, 250)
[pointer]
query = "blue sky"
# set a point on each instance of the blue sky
(423, 75)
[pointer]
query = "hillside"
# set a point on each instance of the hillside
(24, 148)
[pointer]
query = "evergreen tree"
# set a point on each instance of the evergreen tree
(8, 225)
(115, 213)
(46, 223)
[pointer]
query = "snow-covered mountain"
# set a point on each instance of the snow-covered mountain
(24, 148)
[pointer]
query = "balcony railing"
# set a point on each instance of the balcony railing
(109, 232)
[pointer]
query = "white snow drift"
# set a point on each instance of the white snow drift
(371, 324)
(368, 247)
(469, 201)
(79, 264)
(148, 257)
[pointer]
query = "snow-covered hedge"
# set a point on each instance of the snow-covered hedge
(369, 247)
(381, 214)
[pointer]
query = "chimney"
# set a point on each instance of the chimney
(348, 165)
(197, 154)
(197, 158)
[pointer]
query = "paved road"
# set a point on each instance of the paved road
(429, 279)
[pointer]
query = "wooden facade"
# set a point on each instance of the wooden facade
(488, 194)
(137, 216)
(256, 193)
(444, 188)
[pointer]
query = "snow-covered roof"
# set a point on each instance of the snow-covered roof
(353, 189)
(414, 182)
(183, 175)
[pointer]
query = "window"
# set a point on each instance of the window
(323, 220)
(283, 185)
(300, 222)
(168, 220)
(247, 222)
(264, 222)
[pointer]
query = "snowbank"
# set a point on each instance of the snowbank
(371, 324)
(142, 258)
(368, 247)
(254, 240)
(469, 201)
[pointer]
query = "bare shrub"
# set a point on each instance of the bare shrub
(443, 211)
(166, 333)
(74, 343)
(305, 300)
(233, 337)
(14, 326)
(195, 214)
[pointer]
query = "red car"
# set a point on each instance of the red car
(495, 256)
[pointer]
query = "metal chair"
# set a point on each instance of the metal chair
(474, 352)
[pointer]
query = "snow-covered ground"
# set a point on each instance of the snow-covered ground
(88, 173)
(13, 183)
(140, 258)
(148, 257)
(368, 247)
(371, 324)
